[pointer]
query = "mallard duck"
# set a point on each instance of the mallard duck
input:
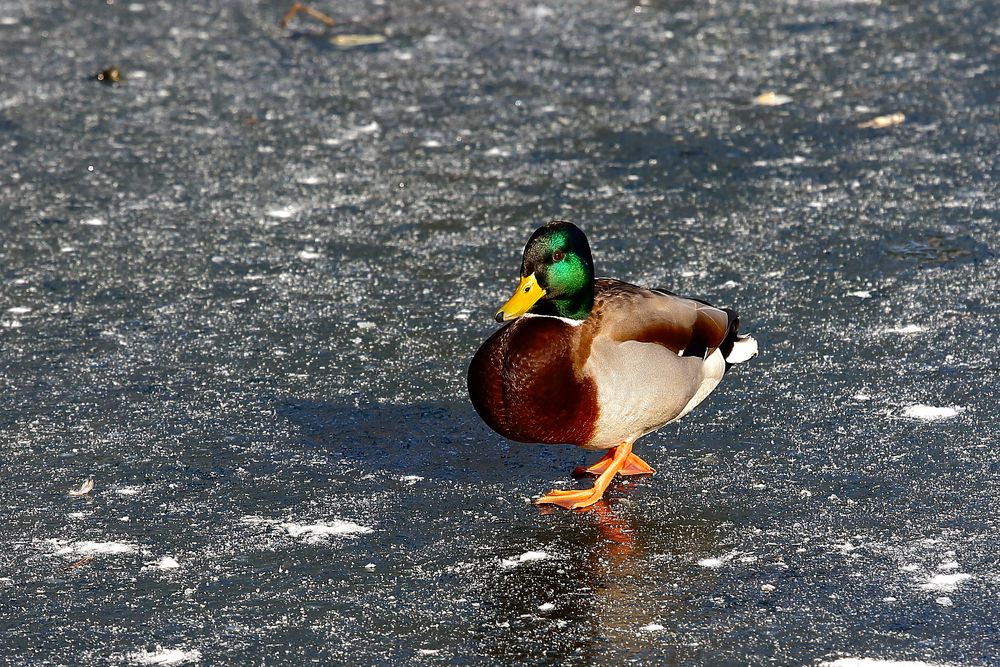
(596, 363)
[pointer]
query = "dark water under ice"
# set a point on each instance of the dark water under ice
(239, 290)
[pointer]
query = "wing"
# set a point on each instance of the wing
(689, 327)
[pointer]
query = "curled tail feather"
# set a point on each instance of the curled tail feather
(736, 348)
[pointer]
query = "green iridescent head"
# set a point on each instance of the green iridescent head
(557, 275)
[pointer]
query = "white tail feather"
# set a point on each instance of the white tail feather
(744, 349)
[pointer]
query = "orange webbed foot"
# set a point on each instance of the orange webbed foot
(633, 466)
(610, 466)
(570, 499)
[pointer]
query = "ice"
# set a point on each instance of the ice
(930, 413)
(945, 583)
(165, 656)
(652, 627)
(875, 662)
(201, 392)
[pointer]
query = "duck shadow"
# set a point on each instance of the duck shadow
(443, 441)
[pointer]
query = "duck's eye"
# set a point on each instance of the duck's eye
(558, 255)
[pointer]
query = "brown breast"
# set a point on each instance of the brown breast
(527, 385)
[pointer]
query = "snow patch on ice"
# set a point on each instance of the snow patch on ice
(165, 656)
(353, 133)
(317, 531)
(652, 627)
(931, 413)
(945, 583)
(908, 329)
(411, 479)
(88, 548)
(93, 222)
(861, 294)
(713, 562)
(281, 212)
(167, 563)
(526, 557)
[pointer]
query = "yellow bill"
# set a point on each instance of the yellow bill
(527, 293)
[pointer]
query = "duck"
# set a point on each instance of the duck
(596, 362)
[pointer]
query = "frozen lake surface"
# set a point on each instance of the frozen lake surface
(240, 289)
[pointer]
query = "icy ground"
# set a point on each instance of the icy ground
(238, 291)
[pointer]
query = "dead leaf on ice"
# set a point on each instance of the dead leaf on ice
(80, 563)
(84, 489)
(771, 99)
(880, 122)
(350, 41)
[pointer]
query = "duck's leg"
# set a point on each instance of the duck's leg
(633, 466)
(573, 499)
